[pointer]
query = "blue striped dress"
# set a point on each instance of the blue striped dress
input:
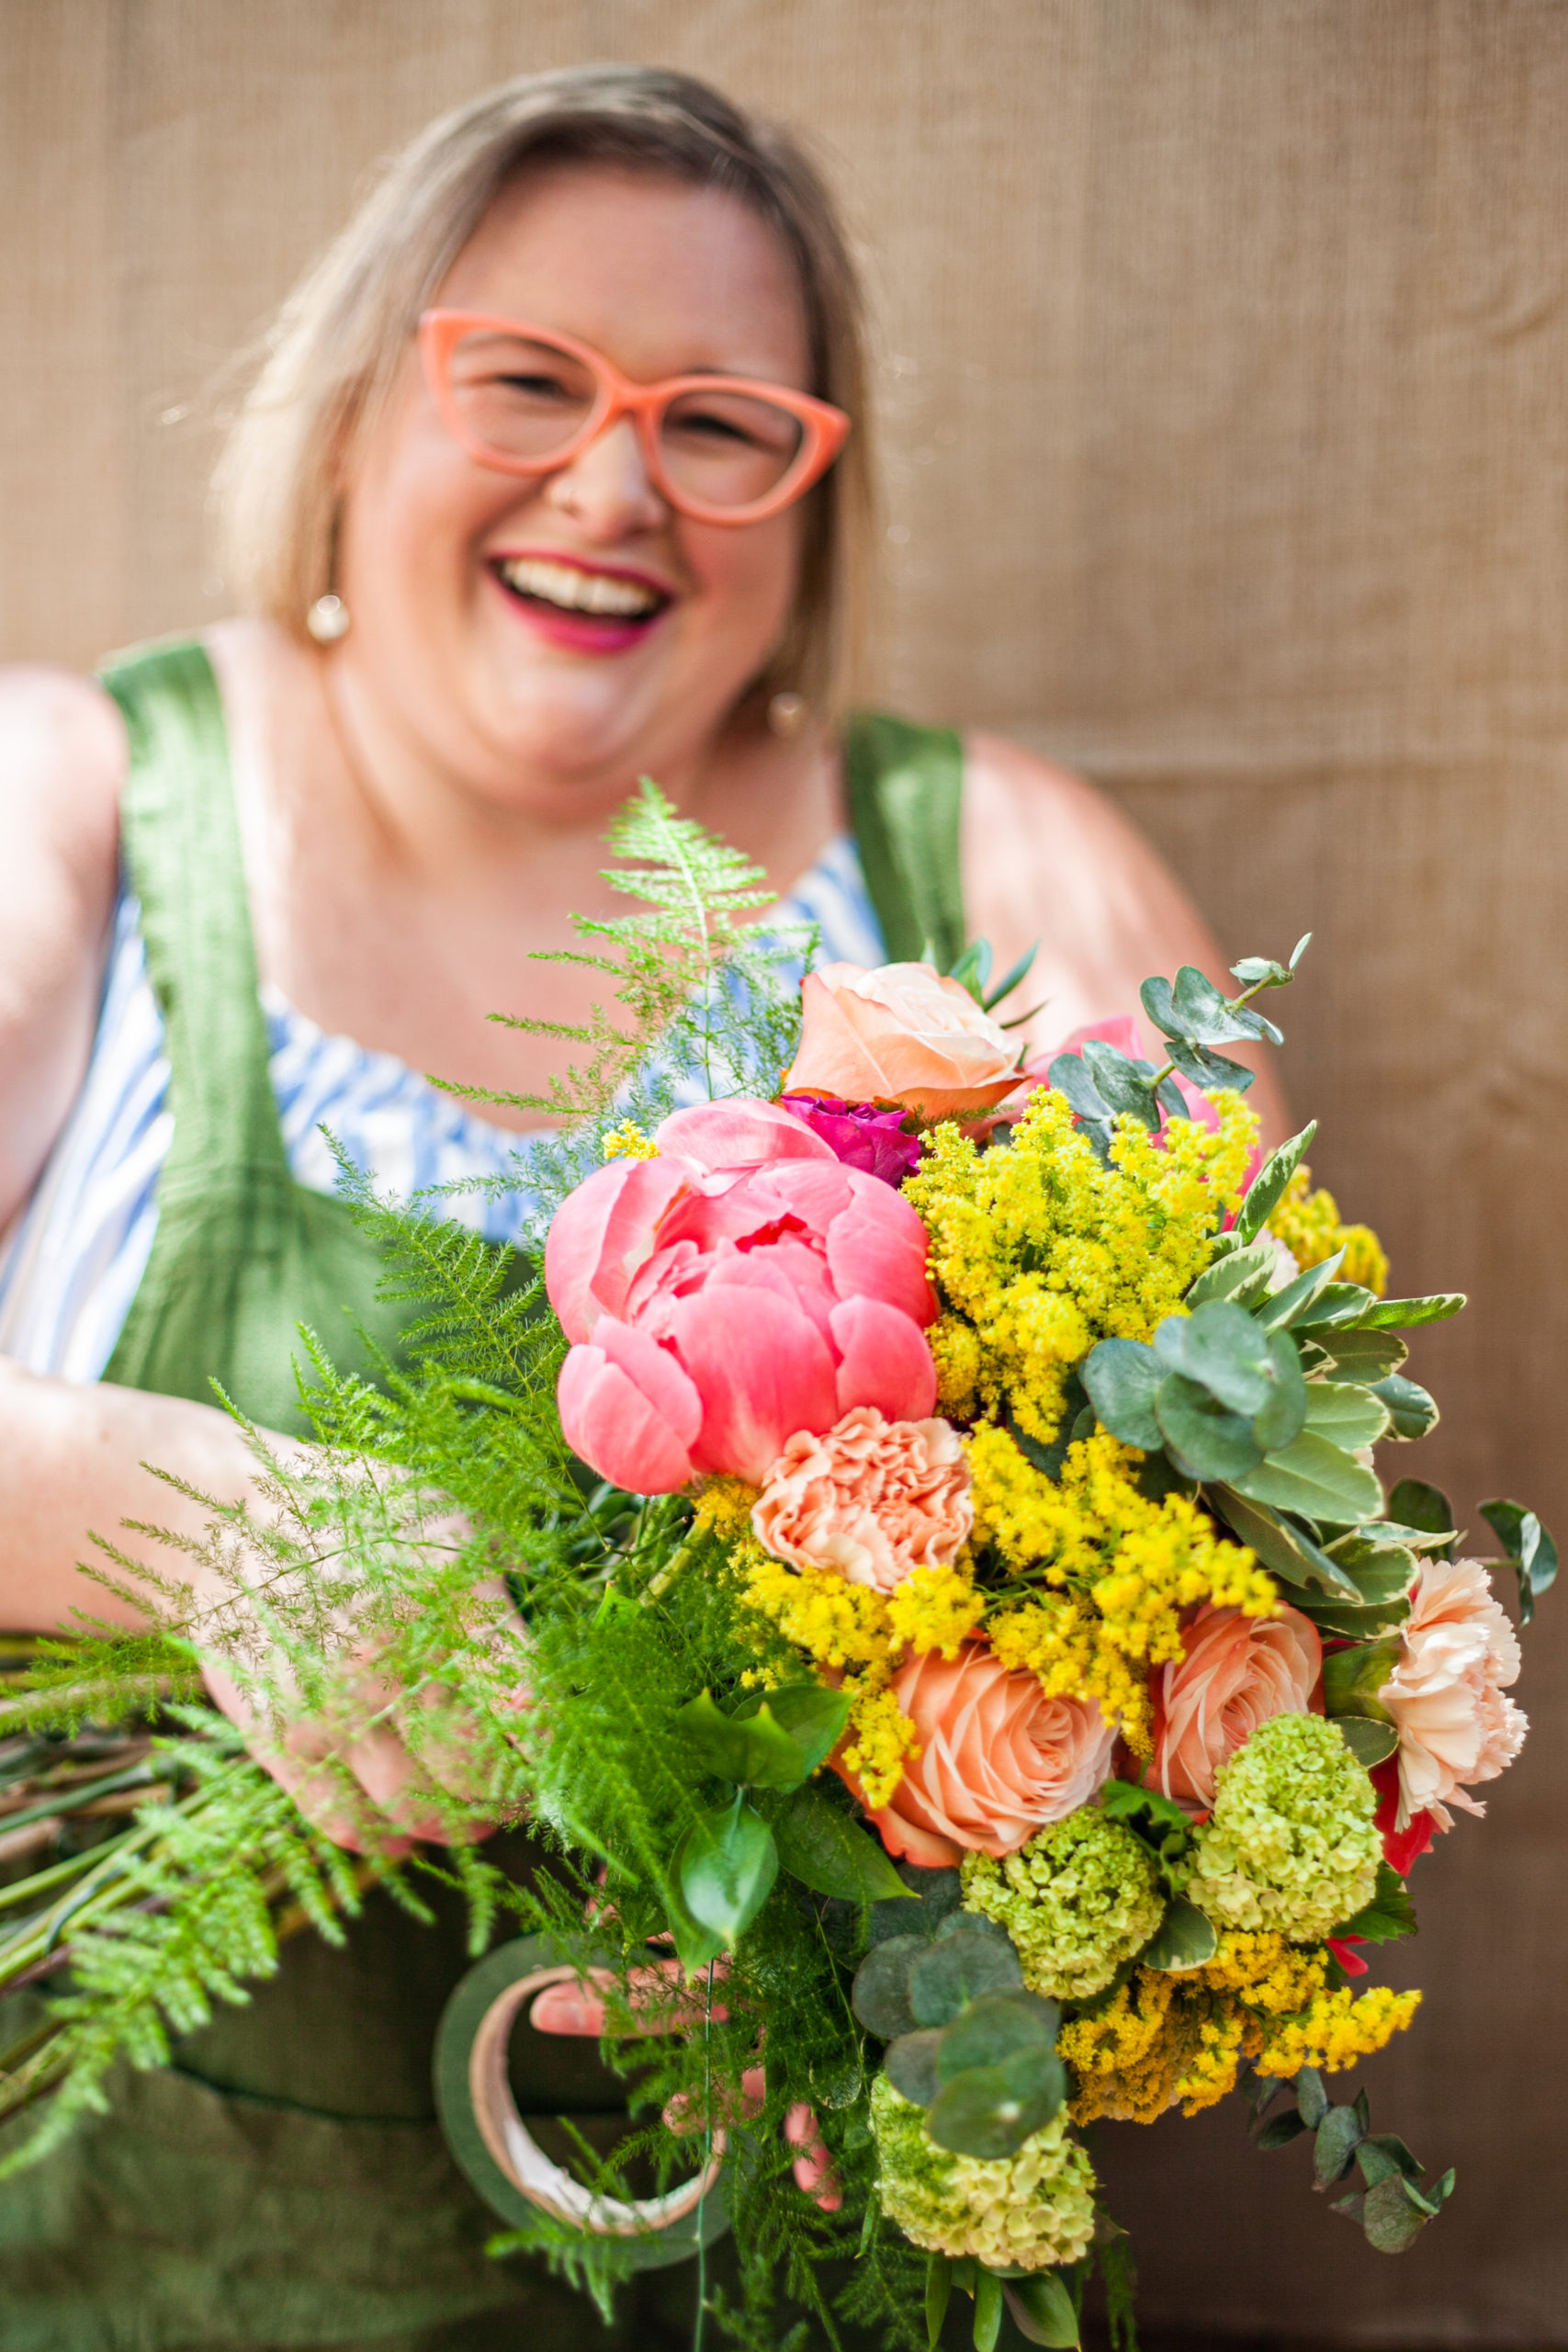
(75, 1259)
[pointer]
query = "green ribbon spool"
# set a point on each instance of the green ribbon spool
(499, 2155)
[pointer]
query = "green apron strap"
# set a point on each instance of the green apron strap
(906, 785)
(181, 843)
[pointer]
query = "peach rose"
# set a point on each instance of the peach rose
(901, 1034)
(1235, 1673)
(1458, 1655)
(997, 1759)
(874, 1499)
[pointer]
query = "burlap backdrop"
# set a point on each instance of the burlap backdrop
(1222, 365)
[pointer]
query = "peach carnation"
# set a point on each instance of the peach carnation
(1234, 1673)
(900, 1033)
(996, 1760)
(874, 1499)
(1458, 1655)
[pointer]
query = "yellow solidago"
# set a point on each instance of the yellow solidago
(1336, 2029)
(1140, 1563)
(1042, 1252)
(628, 1142)
(882, 1738)
(837, 1623)
(1307, 1222)
(955, 1346)
(725, 1507)
(1064, 1641)
(934, 1609)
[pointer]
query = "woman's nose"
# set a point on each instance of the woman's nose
(606, 488)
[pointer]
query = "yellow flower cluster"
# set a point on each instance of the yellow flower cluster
(724, 1508)
(628, 1142)
(934, 1609)
(847, 1629)
(1138, 1562)
(1307, 1222)
(1042, 1250)
(1162, 2039)
(882, 1738)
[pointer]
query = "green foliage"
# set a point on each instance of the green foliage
(1528, 1546)
(1393, 2206)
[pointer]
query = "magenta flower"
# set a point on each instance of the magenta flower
(860, 1135)
(741, 1288)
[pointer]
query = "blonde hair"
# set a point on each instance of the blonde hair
(340, 338)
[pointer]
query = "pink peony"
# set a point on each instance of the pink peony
(1457, 1657)
(872, 1499)
(997, 1759)
(860, 1135)
(901, 1034)
(740, 1288)
(1235, 1673)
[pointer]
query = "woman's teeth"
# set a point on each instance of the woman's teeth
(578, 592)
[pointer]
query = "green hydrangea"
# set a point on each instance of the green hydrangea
(1290, 1843)
(1080, 1898)
(1032, 2209)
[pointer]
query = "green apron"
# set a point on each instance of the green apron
(285, 2183)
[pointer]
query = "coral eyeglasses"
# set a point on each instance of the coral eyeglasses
(527, 399)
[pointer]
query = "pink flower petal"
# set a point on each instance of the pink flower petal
(877, 1249)
(883, 1361)
(742, 1133)
(608, 1420)
(601, 1234)
(762, 1370)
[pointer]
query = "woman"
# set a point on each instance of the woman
(258, 884)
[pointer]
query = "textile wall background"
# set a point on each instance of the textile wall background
(1223, 355)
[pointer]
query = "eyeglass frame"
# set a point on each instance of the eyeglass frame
(825, 428)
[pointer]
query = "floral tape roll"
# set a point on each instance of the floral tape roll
(499, 2155)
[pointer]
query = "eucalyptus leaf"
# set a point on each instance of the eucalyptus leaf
(1122, 1378)
(1315, 1479)
(1185, 1940)
(1222, 1348)
(819, 1845)
(1310, 2096)
(880, 1994)
(1294, 1304)
(1281, 1418)
(1527, 1546)
(1369, 1742)
(1363, 1356)
(1267, 1188)
(1391, 2217)
(960, 1968)
(1383, 2157)
(1042, 2311)
(1412, 1413)
(1208, 1017)
(725, 1868)
(1118, 1083)
(992, 2028)
(990, 2111)
(1202, 1436)
(1344, 1414)
(814, 1717)
(1214, 1074)
(1334, 2152)
(911, 2065)
(1071, 1075)
(1282, 2131)
(1260, 972)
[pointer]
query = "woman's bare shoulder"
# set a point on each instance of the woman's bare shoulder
(1050, 858)
(62, 757)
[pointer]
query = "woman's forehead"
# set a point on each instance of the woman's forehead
(658, 273)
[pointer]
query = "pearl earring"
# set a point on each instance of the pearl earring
(328, 619)
(786, 714)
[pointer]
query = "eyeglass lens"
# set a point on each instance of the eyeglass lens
(528, 400)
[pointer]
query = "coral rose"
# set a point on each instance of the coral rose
(741, 1286)
(900, 1033)
(1234, 1673)
(874, 1499)
(997, 1758)
(1457, 1657)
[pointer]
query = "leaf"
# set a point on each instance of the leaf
(1072, 1076)
(1291, 1303)
(959, 1969)
(1208, 1017)
(1282, 2129)
(694, 1945)
(813, 1717)
(940, 1896)
(727, 1865)
(1185, 1940)
(1241, 1274)
(1384, 2156)
(990, 2111)
(1317, 1480)
(1262, 1195)
(1212, 1073)
(1148, 1812)
(987, 2312)
(938, 2288)
(757, 1752)
(991, 2029)
(911, 2065)
(1009, 980)
(880, 1994)
(1362, 1356)
(1122, 1378)
(1382, 1571)
(1310, 2096)
(819, 1845)
(1201, 1436)
(1369, 1742)
(1527, 1544)
(1282, 1419)
(1042, 2311)
(1300, 949)
(1260, 972)
(1283, 1549)
(1344, 1414)
(1405, 1314)
(1337, 2137)
(1391, 2217)
(1416, 1504)
(973, 969)
(1222, 1348)
(1118, 1083)
(1352, 1678)
(1412, 1412)
(1342, 1306)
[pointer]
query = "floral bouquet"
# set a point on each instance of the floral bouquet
(920, 1560)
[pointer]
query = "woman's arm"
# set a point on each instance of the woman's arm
(62, 757)
(1046, 857)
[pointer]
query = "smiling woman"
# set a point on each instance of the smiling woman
(556, 473)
